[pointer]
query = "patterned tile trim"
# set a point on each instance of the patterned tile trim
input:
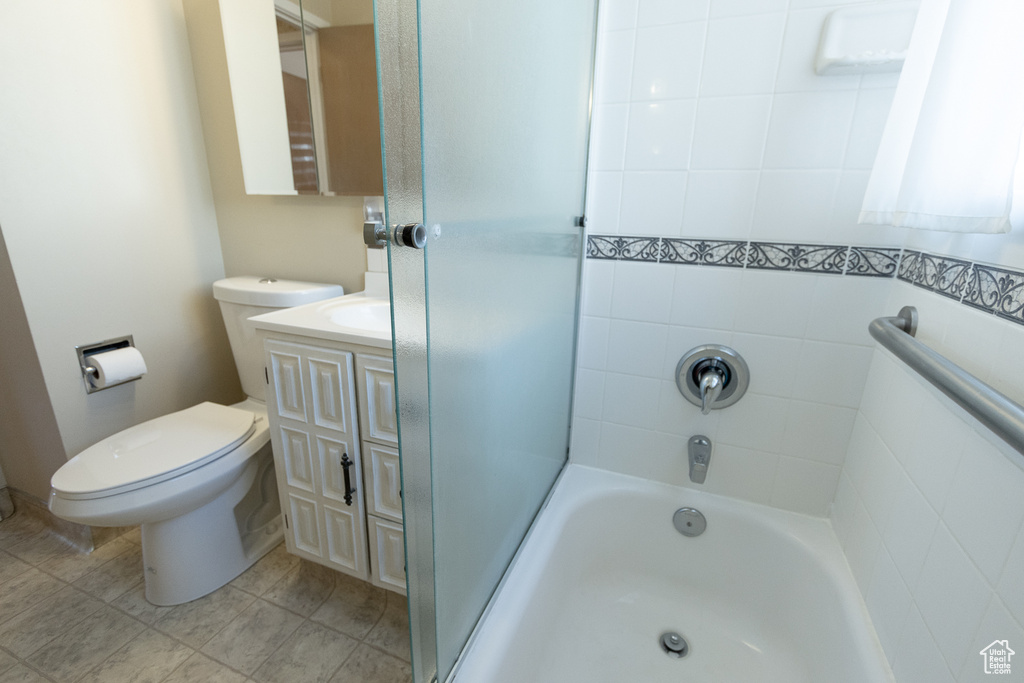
(873, 261)
(806, 258)
(996, 290)
(730, 254)
(993, 289)
(623, 248)
(940, 274)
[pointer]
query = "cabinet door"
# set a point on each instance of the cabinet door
(383, 482)
(387, 554)
(312, 411)
(377, 396)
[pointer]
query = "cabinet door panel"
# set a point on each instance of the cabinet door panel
(298, 460)
(378, 393)
(387, 550)
(345, 547)
(287, 389)
(329, 381)
(305, 525)
(384, 482)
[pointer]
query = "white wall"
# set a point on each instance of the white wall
(710, 123)
(30, 446)
(106, 205)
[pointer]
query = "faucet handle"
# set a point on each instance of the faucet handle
(711, 384)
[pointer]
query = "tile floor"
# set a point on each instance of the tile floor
(67, 616)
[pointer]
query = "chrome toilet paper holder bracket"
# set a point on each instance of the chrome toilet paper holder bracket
(88, 371)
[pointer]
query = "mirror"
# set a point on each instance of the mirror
(304, 89)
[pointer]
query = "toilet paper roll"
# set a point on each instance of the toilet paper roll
(114, 367)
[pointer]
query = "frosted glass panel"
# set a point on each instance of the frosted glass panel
(505, 94)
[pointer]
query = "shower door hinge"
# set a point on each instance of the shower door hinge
(581, 221)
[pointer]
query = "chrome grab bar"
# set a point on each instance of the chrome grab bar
(996, 411)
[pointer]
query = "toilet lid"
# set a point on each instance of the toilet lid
(159, 449)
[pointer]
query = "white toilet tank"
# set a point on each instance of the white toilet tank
(245, 296)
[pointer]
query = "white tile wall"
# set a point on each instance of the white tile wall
(729, 86)
(784, 442)
(930, 504)
(711, 123)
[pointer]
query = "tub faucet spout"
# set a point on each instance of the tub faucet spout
(699, 448)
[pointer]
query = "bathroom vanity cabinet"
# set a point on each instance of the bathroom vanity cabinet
(331, 407)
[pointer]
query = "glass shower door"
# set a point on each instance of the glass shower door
(485, 115)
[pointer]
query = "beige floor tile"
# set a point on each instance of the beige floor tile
(25, 590)
(391, 633)
(354, 607)
(252, 637)
(40, 547)
(114, 578)
(149, 658)
(6, 661)
(71, 566)
(134, 603)
(201, 669)
(194, 623)
(10, 566)
(303, 589)
(311, 655)
(21, 674)
(271, 568)
(134, 536)
(18, 528)
(69, 656)
(46, 620)
(368, 665)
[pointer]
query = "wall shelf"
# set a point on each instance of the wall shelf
(866, 39)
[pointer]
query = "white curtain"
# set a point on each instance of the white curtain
(953, 137)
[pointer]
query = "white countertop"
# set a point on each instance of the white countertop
(314, 320)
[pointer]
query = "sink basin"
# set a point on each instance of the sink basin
(371, 315)
(355, 318)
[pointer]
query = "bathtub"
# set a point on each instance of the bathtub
(762, 595)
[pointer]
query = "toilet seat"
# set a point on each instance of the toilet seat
(154, 451)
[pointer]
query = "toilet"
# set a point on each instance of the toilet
(200, 482)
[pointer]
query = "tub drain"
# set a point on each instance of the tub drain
(674, 644)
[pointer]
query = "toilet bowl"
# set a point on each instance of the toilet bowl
(200, 482)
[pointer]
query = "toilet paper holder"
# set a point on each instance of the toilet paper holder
(88, 371)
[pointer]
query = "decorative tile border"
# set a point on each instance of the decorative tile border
(873, 261)
(993, 289)
(730, 254)
(996, 290)
(805, 258)
(623, 248)
(940, 274)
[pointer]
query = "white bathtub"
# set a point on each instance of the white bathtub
(762, 595)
